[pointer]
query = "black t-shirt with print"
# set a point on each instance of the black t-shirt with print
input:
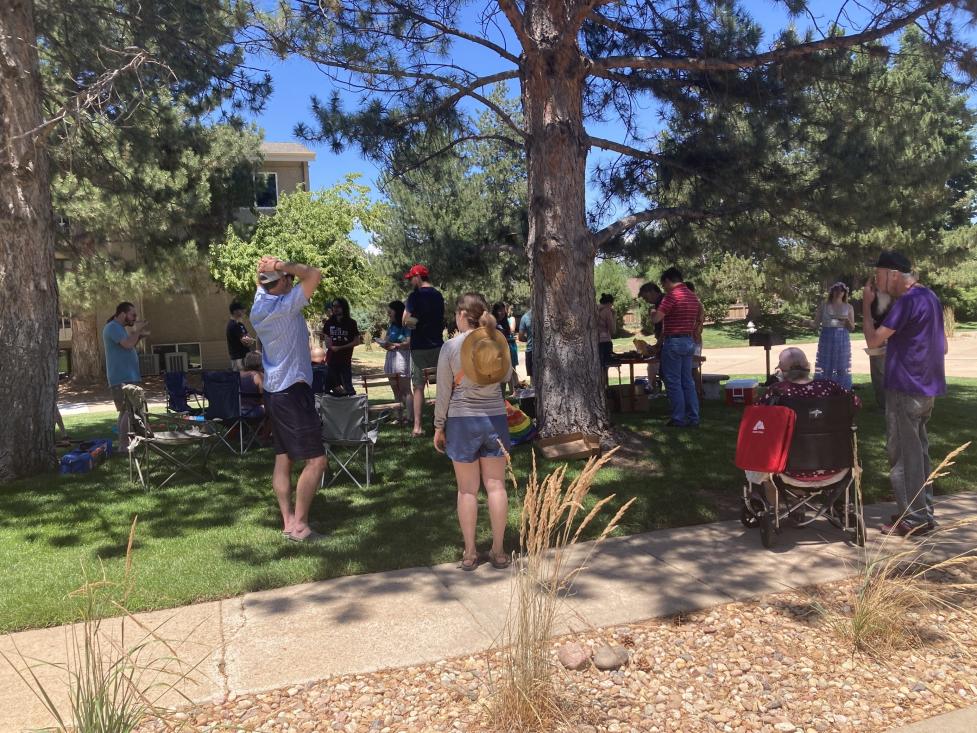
(340, 332)
(235, 332)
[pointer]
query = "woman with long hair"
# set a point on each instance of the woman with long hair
(342, 336)
(501, 315)
(470, 427)
(835, 318)
(606, 326)
(396, 366)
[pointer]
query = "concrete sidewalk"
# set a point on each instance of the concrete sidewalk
(405, 617)
(959, 721)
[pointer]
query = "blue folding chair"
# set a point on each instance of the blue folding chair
(226, 413)
(178, 392)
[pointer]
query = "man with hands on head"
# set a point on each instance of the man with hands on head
(280, 325)
(915, 342)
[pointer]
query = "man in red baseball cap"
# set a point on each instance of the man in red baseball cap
(417, 271)
(424, 315)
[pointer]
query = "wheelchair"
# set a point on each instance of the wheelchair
(823, 438)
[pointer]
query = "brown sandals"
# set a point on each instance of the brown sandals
(500, 561)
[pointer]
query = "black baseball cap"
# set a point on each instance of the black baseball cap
(889, 259)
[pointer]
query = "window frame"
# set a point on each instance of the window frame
(274, 175)
(175, 346)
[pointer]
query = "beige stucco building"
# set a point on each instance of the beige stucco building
(195, 323)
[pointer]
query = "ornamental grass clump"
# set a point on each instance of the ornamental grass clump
(899, 578)
(116, 673)
(527, 695)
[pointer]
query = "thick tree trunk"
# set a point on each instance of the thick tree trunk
(87, 358)
(29, 300)
(569, 386)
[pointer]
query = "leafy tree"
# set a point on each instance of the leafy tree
(611, 277)
(578, 61)
(313, 228)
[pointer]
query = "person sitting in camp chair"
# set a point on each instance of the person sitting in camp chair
(807, 433)
(794, 373)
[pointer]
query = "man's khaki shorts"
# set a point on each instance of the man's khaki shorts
(421, 359)
(118, 398)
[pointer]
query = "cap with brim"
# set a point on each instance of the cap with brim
(266, 278)
(416, 271)
(485, 356)
(891, 260)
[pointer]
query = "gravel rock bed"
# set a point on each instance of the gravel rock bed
(768, 665)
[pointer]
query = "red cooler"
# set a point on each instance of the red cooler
(741, 391)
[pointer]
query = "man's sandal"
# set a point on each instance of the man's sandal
(469, 563)
(500, 561)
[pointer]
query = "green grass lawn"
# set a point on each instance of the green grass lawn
(200, 541)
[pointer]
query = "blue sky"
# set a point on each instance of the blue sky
(296, 80)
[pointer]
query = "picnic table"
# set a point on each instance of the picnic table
(630, 362)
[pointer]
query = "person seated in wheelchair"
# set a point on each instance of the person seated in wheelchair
(794, 373)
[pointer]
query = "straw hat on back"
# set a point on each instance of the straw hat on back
(485, 356)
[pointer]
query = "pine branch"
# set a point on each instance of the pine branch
(458, 33)
(598, 142)
(582, 13)
(414, 165)
(93, 96)
(658, 213)
(603, 66)
(515, 19)
(330, 63)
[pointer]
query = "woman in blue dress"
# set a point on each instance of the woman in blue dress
(835, 318)
(397, 364)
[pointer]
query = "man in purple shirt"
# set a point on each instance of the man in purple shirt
(914, 377)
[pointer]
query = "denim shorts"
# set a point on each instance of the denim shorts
(470, 438)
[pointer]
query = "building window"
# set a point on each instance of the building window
(266, 190)
(191, 350)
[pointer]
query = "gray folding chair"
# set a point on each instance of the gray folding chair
(166, 446)
(346, 425)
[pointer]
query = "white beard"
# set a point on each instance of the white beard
(881, 304)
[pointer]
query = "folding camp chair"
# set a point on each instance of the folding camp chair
(823, 438)
(227, 414)
(145, 441)
(178, 393)
(346, 424)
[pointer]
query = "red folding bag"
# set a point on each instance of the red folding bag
(764, 439)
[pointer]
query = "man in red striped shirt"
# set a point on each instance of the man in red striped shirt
(679, 311)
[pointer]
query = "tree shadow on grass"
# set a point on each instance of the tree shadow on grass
(229, 528)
